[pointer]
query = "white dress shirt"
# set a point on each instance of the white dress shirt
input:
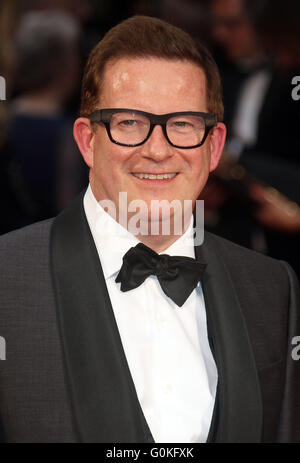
(166, 346)
(245, 124)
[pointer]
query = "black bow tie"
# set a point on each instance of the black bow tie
(177, 275)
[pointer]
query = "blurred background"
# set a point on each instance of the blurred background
(252, 198)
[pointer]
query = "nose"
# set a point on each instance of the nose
(157, 146)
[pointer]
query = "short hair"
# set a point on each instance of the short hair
(42, 44)
(146, 37)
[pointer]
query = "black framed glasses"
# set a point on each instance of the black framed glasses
(130, 127)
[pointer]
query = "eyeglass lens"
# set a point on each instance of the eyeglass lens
(133, 128)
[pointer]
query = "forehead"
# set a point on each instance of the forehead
(154, 84)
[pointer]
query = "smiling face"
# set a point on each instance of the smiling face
(157, 86)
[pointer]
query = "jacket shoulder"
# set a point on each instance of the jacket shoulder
(252, 268)
(237, 254)
(29, 240)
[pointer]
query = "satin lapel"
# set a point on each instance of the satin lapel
(103, 396)
(238, 411)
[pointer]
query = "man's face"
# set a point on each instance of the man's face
(232, 30)
(157, 86)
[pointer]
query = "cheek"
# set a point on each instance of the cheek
(110, 162)
(198, 163)
(200, 172)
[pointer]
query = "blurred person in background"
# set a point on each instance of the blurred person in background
(40, 132)
(13, 202)
(239, 47)
(278, 27)
(256, 74)
(257, 204)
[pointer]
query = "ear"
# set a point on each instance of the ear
(84, 137)
(217, 142)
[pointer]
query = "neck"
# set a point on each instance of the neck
(156, 233)
(158, 243)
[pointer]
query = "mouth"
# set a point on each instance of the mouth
(162, 177)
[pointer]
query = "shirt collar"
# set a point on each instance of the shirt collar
(113, 241)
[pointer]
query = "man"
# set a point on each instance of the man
(256, 76)
(107, 341)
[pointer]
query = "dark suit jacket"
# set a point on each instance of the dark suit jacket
(66, 378)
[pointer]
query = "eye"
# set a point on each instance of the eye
(182, 124)
(132, 124)
(128, 122)
(186, 124)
